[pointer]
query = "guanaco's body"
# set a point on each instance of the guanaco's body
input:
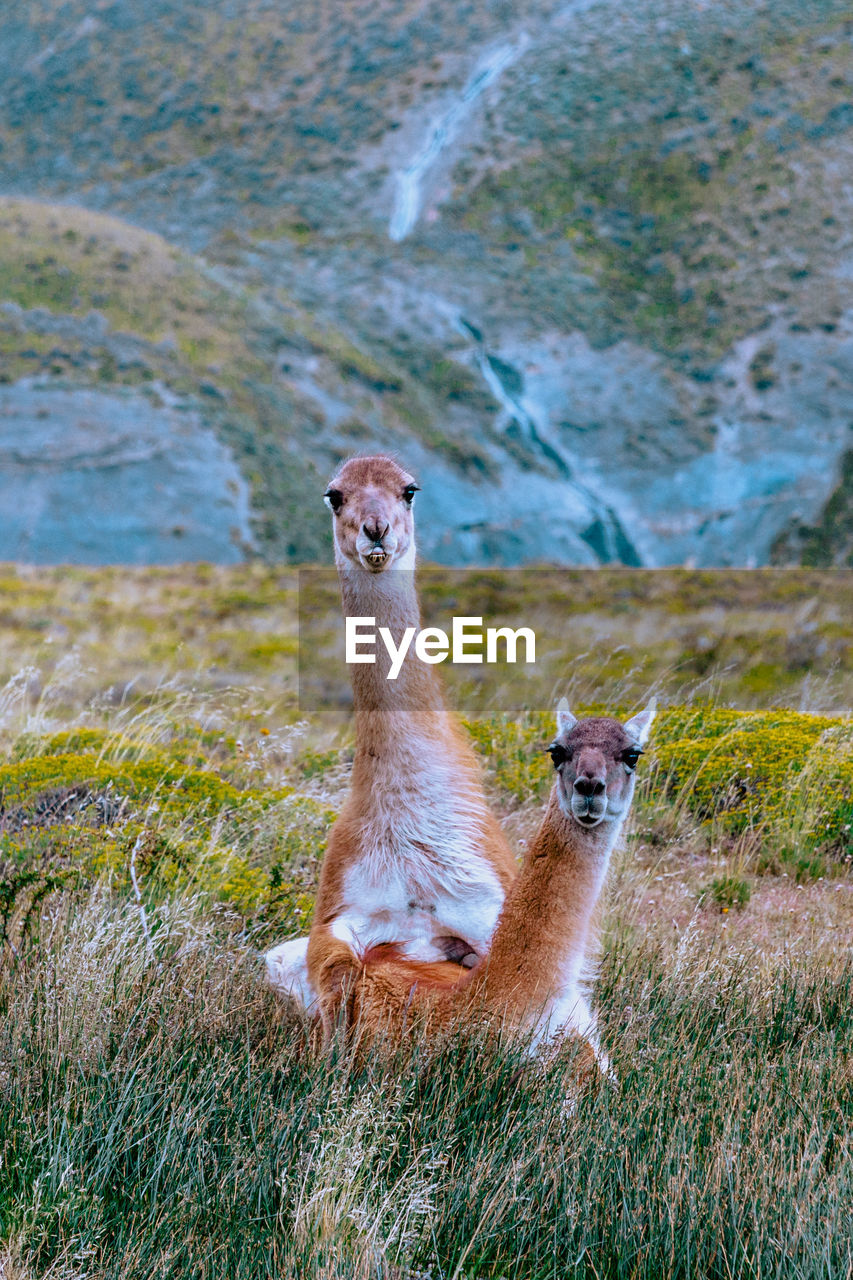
(533, 977)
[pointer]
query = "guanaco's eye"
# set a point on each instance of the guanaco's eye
(558, 753)
(334, 499)
(630, 756)
(409, 493)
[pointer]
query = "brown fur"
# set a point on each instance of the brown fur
(547, 916)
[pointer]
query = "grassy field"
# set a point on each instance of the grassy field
(171, 766)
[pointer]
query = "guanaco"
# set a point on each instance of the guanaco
(534, 977)
(416, 858)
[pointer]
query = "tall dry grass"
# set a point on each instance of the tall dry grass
(160, 1117)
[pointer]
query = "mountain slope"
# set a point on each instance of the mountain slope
(113, 341)
(564, 257)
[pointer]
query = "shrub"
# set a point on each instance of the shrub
(790, 775)
(75, 804)
(726, 892)
(787, 774)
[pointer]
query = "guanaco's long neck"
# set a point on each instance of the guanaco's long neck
(389, 713)
(540, 942)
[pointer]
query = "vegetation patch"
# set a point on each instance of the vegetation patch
(81, 815)
(786, 775)
(157, 1074)
(830, 540)
(726, 893)
(151, 1087)
(791, 776)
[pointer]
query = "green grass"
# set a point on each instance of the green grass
(726, 893)
(159, 1119)
(165, 807)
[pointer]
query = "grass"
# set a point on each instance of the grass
(753, 639)
(165, 804)
(161, 1119)
(727, 892)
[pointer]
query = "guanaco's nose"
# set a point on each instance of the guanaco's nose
(589, 786)
(375, 528)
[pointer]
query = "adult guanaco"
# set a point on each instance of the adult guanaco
(415, 858)
(534, 977)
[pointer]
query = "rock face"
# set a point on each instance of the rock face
(89, 477)
(583, 266)
(639, 495)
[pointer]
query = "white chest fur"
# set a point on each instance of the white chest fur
(412, 905)
(420, 876)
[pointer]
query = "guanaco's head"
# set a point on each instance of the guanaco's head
(595, 761)
(371, 504)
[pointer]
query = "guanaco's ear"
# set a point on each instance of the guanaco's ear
(640, 724)
(565, 719)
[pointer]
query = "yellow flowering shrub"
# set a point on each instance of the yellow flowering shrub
(778, 769)
(87, 801)
(79, 804)
(157, 778)
(784, 770)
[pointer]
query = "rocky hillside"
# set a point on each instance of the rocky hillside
(564, 257)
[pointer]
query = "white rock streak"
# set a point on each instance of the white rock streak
(604, 533)
(407, 202)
